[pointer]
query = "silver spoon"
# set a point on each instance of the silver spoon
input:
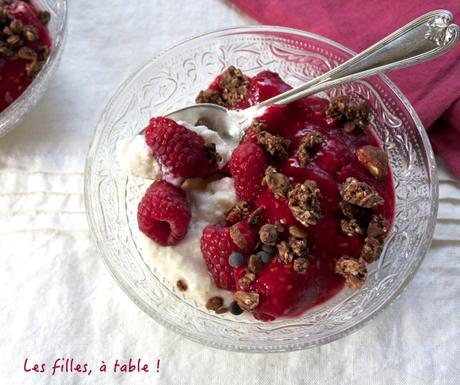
(422, 39)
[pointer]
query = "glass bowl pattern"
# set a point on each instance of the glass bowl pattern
(12, 115)
(170, 81)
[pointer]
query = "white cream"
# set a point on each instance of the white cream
(184, 260)
(209, 202)
(137, 158)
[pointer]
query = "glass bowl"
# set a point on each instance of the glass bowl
(12, 115)
(170, 81)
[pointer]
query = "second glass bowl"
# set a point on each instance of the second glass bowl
(12, 115)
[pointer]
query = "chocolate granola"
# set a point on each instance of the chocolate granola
(234, 85)
(298, 246)
(354, 272)
(353, 211)
(301, 265)
(233, 88)
(270, 233)
(372, 249)
(275, 145)
(238, 238)
(255, 218)
(308, 143)
(354, 117)
(304, 203)
(211, 154)
(15, 39)
(285, 252)
(255, 263)
(247, 300)
(351, 227)
(210, 96)
(181, 285)
(378, 227)
(239, 211)
(247, 279)
(359, 193)
(277, 182)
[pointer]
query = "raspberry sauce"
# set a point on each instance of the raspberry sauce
(284, 292)
(17, 71)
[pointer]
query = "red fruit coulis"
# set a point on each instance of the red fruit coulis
(284, 292)
(13, 73)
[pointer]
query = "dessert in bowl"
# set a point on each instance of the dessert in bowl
(32, 34)
(112, 198)
(297, 207)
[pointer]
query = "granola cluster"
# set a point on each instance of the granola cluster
(354, 117)
(354, 272)
(211, 154)
(247, 300)
(277, 182)
(376, 234)
(16, 39)
(308, 144)
(295, 249)
(239, 211)
(274, 145)
(269, 234)
(303, 200)
(233, 86)
(242, 210)
(359, 199)
(360, 194)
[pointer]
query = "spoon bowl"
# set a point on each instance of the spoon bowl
(215, 116)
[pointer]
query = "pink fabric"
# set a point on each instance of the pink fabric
(432, 87)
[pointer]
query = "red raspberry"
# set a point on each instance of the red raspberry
(178, 150)
(163, 213)
(247, 166)
(216, 247)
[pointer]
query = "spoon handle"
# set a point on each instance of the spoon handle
(422, 39)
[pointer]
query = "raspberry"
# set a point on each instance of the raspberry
(163, 213)
(247, 166)
(179, 151)
(217, 245)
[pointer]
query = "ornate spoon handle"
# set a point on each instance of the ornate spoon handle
(422, 39)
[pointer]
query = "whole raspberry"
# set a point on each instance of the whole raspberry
(247, 166)
(218, 243)
(179, 151)
(163, 213)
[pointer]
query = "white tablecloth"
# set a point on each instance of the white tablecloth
(58, 299)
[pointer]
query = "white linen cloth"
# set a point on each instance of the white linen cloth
(59, 300)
